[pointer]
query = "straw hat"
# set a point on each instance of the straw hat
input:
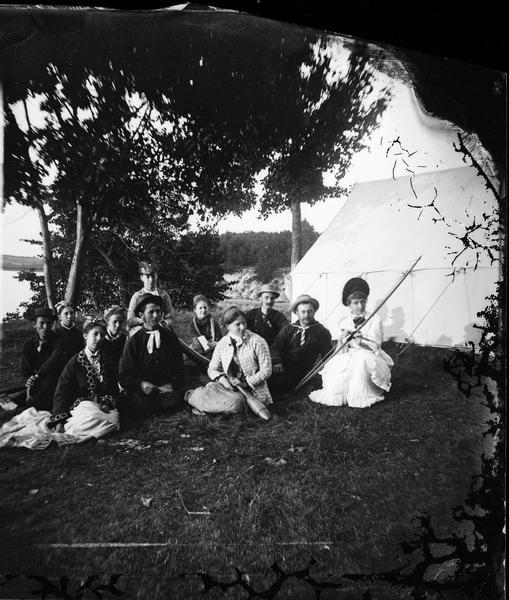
(268, 289)
(304, 299)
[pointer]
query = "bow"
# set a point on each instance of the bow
(153, 340)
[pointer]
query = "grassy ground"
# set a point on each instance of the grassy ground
(340, 484)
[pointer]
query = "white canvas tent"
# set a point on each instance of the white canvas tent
(377, 235)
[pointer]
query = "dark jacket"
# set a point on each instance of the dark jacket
(204, 327)
(74, 384)
(164, 365)
(48, 360)
(71, 341)
(296, 359)
(112, 350)
(268, 330)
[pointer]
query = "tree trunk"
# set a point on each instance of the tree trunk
(47, 257)
(123, 292)
(296, 233)
(80, 247)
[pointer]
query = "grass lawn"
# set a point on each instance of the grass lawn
(339, 484)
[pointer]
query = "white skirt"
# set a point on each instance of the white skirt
(356, 378)
(89, 421)
(30, 428)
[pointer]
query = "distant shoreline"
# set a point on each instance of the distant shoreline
(11, 262)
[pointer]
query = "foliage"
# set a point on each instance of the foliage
(253, 248)
(187, 266)
(333, 113)
(123, 142)
(247, 286)
(193, 267)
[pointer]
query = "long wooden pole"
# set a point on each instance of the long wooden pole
(335, 351)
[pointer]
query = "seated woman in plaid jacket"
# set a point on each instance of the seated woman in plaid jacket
(240, 359)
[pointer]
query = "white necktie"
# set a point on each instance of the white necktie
(302, 335)
(154, 338)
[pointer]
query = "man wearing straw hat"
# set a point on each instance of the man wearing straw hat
(266, 321)
(152, 366)
(298, 346)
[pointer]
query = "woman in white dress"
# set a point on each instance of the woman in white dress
(359, 375)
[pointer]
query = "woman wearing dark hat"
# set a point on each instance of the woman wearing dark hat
(40, 362)
(266, 321)
(358, 376)
(152, 366)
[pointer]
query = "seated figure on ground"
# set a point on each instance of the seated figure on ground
(149, 277)
(265, 320)
(40, 363)
(240, 359)
(204, 330)
(85, 401)
(359, 374)
(115, 337)
(70, 337)
(152, 366)
(298, 346)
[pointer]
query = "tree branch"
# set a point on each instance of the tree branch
(461, 147)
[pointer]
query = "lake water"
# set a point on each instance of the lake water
(12, 292)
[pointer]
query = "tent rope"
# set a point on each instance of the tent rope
(408, 339)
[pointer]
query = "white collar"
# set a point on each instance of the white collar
(363, 316)
(238, 340)
(153, 292)
(299, 326)
(89, 354)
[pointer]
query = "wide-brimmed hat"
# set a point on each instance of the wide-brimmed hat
(268, 289)
(356, 284)
(47, 313)
(144, 299)
(304, 299)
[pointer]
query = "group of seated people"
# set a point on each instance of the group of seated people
(134, 363)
